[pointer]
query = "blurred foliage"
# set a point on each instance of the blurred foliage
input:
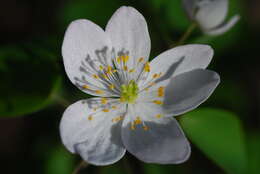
(219, 134)
(30, 79)
(253, 145)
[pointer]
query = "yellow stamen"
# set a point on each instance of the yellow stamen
(105, 110)
(125, 58)
(140, 59)
(95, 76)
(101, 67)
(95, 109)
(160, 91)
(125, 68)
(147, 67)
(109, 70)
(90, 117)
(99, 92)
(103, 101)
(132, 70)
(145, 128)
(104, 76)
(111, 86)
(158, 102)
(85, 86)
(114, 107)
(158, 116)
(137, 121)
(155, 76)
(146, 89)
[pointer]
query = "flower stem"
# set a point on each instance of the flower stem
(186, 34)
(80, 166)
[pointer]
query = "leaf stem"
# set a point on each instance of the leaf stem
(187, 34)
(80, 166)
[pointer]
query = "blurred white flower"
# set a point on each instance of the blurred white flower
(137, 99)
(210, 15)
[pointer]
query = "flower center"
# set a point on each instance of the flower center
(129, 92)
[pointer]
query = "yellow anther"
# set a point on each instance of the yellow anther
(160, 91)
(155, 76)
(95, 109)
(118, 59)
(85, 86)
(146, 89)
(147, 67)
(95, 76)
(103, 101)
(125, 58)
(158, 102)
(137, 121)
(132, 70)
(125, 68)
(114, 70)
(109, 70)
(116, 119)
(90, 117)
(104, 76)
(111, 86)
(114, 107)
(105, 110)
(99, 92)
(152, 83)
(101, 67)
(158, 116)
(140, 59)
(146, 128)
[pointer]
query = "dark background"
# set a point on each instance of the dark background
(35, 89)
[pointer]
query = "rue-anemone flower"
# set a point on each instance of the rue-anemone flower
(136, 99)
(210, 15)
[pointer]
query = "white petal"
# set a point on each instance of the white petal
(211, 13)
(92, 134)
(179, 60)
(188, 90)
(128, 32)
(224, 27)
(163, 142)
(84, 47)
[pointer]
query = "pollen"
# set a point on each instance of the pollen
(95, 109)
(109, 70)
(101, 67)
(116, 119)
(95, 76)
(111, 86)
(146, 128)
(104, 76)
(103, 101)
(114, 107)
(141, 59)
(90, 117)
(137, 121)
(85, 86)
(105, 110)
(147, 67)
(125, 68)
(158, 116)
(158, 102)
(155, 76)
(132, 70)
(125, 58)
(99, 92)
(160, 91)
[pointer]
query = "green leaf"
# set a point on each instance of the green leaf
(59, 161)
(219, 135)
(97, 11)
(29, 80)
(253, 145)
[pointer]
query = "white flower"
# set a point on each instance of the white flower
(137, 99)
(210, 15)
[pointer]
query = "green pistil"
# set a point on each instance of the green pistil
(129, 92)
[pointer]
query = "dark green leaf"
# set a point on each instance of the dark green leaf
(219, 135)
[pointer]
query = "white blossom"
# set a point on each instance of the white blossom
(210, 15)
(136, 98)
